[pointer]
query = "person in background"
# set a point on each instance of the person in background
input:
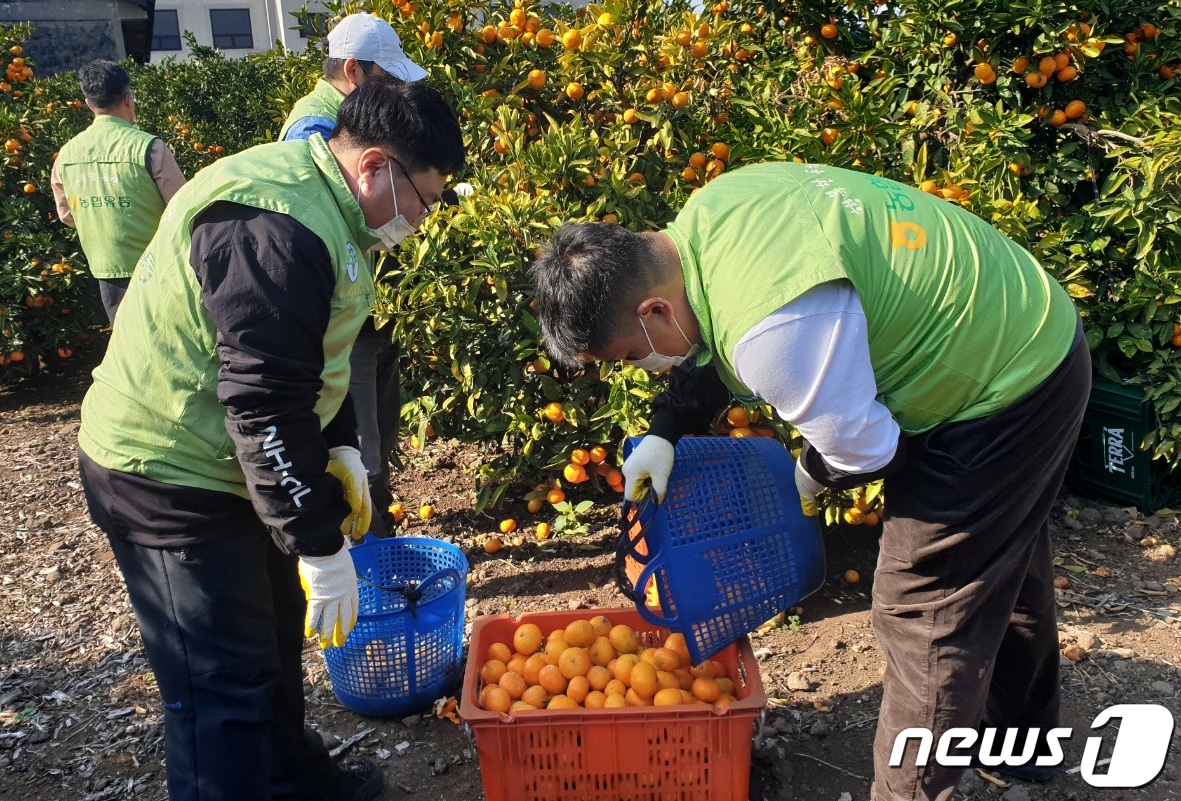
(112, 181)
(218, 449)
(361, 46)
(907, 340)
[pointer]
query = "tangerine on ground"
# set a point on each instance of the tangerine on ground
(492, 670)
(499, 650)
(508, 526)
(493, 545)
(552, 680)
(497, 700)
(527, 639)
(580, 633)
(426, 512)
(543, 531)
(624, 639)
(535, 506)
(851, 576)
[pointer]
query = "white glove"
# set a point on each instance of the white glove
(344, 462)
(330, 585)
(807, 487)
(650, 463)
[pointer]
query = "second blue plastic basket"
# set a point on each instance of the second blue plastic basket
(406, 649)
(729, 548)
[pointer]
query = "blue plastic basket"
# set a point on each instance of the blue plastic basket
(406, 648)
(729, 548)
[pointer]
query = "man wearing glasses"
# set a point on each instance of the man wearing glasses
(218, 447)
(362, 45)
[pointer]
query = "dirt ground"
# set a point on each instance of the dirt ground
(80, 719)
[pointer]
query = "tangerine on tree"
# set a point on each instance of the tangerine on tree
(554, 413)
(829, 31)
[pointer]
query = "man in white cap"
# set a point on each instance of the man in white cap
(359, 47)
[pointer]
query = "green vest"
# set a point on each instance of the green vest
(961, 320)
(113, 198)
(153, 407)
(323, 101)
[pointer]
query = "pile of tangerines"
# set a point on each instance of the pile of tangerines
(592, 664)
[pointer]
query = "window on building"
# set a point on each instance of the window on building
(317, 24)
(165, 31)
(231, 28)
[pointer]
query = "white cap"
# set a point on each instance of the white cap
(369, 38)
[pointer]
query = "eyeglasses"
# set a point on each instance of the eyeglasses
(427, 208)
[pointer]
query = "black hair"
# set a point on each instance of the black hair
(104, 83)
(334, 67)
(588, 281)
(412, 119)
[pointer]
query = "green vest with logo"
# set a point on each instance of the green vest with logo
(961, 320)
(153, 407)
(323, 101)
(112, 195)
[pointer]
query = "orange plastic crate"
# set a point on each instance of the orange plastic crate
(672, 753)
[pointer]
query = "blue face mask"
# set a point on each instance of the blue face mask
(657, 362)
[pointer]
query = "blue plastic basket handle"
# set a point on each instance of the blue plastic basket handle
(413, 592)
(625, 546)
(656, 620)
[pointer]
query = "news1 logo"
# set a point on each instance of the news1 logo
(1137, 755)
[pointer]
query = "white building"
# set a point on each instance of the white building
(236, 27)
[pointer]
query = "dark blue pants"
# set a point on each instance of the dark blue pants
(111, 291)
(222, 624)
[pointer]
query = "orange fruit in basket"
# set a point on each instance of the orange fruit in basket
(499, 650)
(602, 623)
(723, 701)
(552, 680)
(623, 668)
(676, 642)
(497, 700)
(561, 702)
(580, 633)
(598, 677)
(513, 684)
(667, 680)
(535, 695)
(635, 699)
(615, 701)
(666, 659)
(595, 700)
(624, 639)
(554, 646)
(615, 687)
(667, 697)
(492, 670)
(601, 651)
(516, 665)
(527, 639)
(577, 689)
(521, 706)
(706, 690)
(725, 685)
(533, 666)
(644, 680)
(684, 677)
(574, 662)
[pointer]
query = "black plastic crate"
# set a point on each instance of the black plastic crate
(1108, 462)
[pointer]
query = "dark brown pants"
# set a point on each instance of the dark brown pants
(963, 597)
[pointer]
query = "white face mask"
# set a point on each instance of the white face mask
(657, 362)
(392, 233)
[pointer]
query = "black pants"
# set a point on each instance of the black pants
(111, 291)
(376, 394)
(963, 596)
(222, 624)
